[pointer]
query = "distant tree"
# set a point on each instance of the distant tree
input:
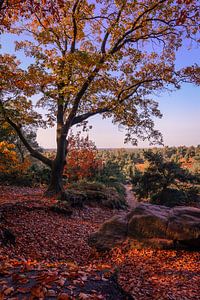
(110, 172)
(196, 164)
(181, 151)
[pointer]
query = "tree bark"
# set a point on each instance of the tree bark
(56, 181)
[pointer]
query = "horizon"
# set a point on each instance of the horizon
(137, 148)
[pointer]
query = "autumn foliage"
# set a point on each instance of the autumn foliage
(82, 161)
(9, 160)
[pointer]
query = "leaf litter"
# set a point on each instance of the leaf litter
(52, 260)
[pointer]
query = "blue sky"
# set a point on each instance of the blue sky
(180, 124)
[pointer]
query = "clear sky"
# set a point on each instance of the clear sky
(180, 124)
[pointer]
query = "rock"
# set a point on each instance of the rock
(75, 198)
(94, 194)
(110, 234)
(153, 225)
(148, 221)
(184, 225)
(153, 243)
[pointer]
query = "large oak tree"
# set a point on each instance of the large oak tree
(105, 57)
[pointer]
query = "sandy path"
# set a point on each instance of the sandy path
(130, 197)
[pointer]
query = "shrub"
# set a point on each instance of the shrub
(16, 179)
(39, 174)
(174, 197)
(169, 197)
(34, 175)
(110, 173)
(165, 182)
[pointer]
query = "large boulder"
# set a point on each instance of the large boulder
(110, 234)
(148, 223)
(184, 225)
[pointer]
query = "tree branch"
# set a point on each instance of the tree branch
(83, 117)
(120, 43)
(73, 46)
(87, 115)
(32, 151)
(57, 39)
(82, 92)
(103, 45)
(134, 87)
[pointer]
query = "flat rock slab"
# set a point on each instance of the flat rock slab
(147, 222)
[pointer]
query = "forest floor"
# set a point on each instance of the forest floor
(52, 260)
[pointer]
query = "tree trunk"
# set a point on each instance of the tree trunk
(56, 181)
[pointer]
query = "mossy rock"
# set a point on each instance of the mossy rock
(75, 198)
(95, 194)
(153, 226)
(86, 185)
(114, 199)
(153, 243)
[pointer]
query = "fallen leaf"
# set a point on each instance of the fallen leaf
(84, 296)
(63, 296)
(8, 291)
(37, 291)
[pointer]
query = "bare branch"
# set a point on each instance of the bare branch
(96, 18)
(134, 87)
